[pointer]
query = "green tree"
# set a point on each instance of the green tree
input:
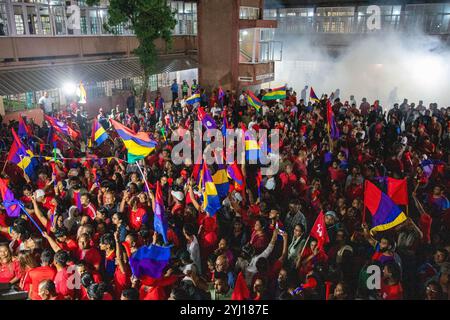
(150, 20)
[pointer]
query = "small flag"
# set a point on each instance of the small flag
(313, 96)
(160, 221)
(211, 201)
(241, 291)
(206, 119)
(275, 94)
(253, 100)
(220, 179)
(21, 156)
(99, 134)
(9, 201)
(319, 231)
(195, 98)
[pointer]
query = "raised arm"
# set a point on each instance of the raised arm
(51, 241)
(285, 247)
(368, 236)
(38, 211)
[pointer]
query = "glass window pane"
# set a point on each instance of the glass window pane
(3, 20)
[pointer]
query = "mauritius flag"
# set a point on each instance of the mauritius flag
(22, 156)
(220, 179)
(276, 93)
(211, 200)
(385, 213)
(139, 145)
(253, 100)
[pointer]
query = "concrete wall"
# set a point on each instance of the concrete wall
(218, 42)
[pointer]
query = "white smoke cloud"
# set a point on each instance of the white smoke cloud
(371, 66)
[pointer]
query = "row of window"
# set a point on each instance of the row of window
(432, 18)
(42, 17)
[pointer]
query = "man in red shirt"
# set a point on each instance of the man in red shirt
(39, 274)
(137, 215)
(85, 252)
(61, 281)
(88, 208)
(47, 291)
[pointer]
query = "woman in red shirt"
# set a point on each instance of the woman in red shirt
(258, 238)
(27, 262)
(9, 269)
(391, 288)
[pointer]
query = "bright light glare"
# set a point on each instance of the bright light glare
(244, 33)
(69, 88)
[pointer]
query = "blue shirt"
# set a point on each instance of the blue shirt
(174, 87)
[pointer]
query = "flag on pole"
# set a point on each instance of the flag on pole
(139, 145)
(22, 156)
(220, 179)
(160, 221)
(253, 100)
(319, 231)
(385, 213)
(24, 130)
(221, 95)
(62, 127)
(313, 96)
(195, 98)
(99, 134)
(206, 119)
(275, 94)
(241, 291)
(211, 200)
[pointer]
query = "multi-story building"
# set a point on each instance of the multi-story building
(52, 45)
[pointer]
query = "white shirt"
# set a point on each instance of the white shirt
(47, 102)
(194, 251)
(215, 111)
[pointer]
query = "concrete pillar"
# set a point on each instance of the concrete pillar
(218, 43)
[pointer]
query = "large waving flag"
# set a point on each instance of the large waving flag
(62, 127)
(206, 119)
(313, 96)
(9, 201)
(139, 145)
(211, 200)
(253, 100)
(385, 213)
(160, 221)
(99, 134)
(431, 166)
(149, 261)
(276, 93)
(22, 156)
(195, 98)
(319, 231)
(333, 129)
(24, 130)
(220, 179)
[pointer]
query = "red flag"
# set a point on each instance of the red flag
(319, 231)
(240, 291)
(397, 190)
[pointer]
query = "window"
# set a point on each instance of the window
(3, 20)
(45, 20)
(249, 13)
(20, 26)
(335, 19)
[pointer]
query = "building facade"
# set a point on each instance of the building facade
(49, 45)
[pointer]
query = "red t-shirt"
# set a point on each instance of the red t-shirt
(91, 256)
(70, 246)
(90, 211)
(61, 283)
(392, 292)
(10, 271)
(36, 276)
(135, 218)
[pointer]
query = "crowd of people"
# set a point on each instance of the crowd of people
(96, 212)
